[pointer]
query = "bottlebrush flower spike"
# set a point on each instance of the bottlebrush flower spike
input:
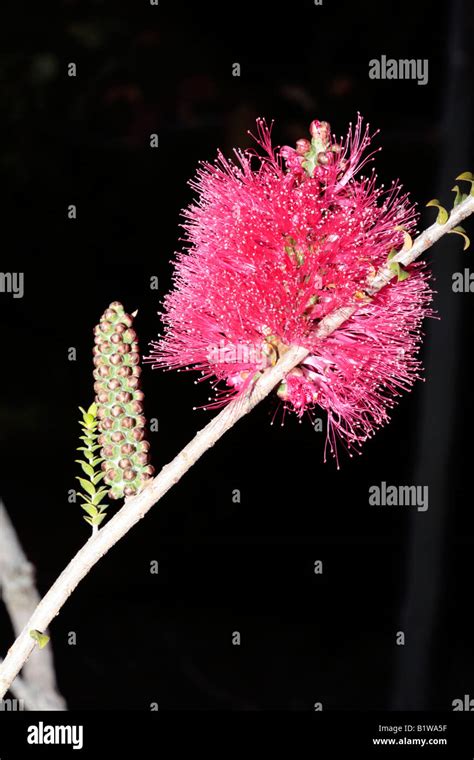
(273, 244)
(119, 408)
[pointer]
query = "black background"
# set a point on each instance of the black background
(227, 567)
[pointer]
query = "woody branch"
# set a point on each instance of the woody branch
(136, 507)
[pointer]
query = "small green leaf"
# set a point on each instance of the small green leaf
(97, 478)
(89, 419)
(392, 253)
(459, 197)
(461, 231)
(88, 438)
(92, 409)
(98, 519)
(443, 215)
(401, 273)
(40, 638)
(85, 449)
(89, 429)
(467, 177)
(97, 498)
(87, 486)
(86, 468)
(89, 508)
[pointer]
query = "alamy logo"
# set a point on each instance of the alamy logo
(12, 282)
(45, 734)
(404, 68)
(399, 496)
(12, 705)
(463, 282)
(463, 704)
(232, 353)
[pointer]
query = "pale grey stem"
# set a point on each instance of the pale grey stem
(38, 687)
(137, 506)
(20, 692)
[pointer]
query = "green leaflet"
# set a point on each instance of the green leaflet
(459, 197)
(86, 468)
(462, 232)
(443, 215)
(87, 486)
(402, 274)
(40, 638)
(95, 520)
(467, 177)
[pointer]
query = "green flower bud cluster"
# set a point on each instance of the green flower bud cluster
(121, 422)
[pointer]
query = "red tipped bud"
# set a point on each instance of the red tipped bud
(321, 129)
(302, 146)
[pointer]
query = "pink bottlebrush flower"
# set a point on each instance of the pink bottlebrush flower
(273, 244)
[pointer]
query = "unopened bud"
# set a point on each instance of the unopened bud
(321, 129)
(302, 146)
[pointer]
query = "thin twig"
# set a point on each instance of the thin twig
(38, 687)
(137, 506)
